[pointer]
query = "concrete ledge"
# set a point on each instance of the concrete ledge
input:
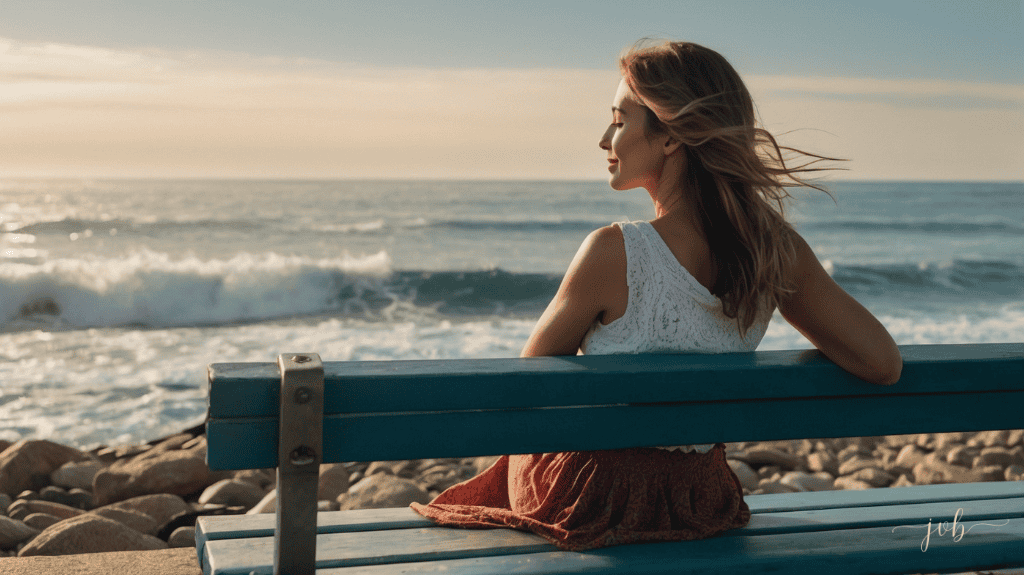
(170, 561)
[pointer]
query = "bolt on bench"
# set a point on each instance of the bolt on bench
(299, 413)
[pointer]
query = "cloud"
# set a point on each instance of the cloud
(85, 111)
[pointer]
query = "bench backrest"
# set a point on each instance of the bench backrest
(401, 410)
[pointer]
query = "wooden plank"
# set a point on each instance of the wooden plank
(251, 442)
(758, 544)
(856, 551)
(262, 525)
(244, 390)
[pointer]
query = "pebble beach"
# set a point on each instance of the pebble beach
(59, 500)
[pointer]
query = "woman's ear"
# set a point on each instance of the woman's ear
(671, 145)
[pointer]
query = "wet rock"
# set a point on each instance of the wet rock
(14, 532)
(232, 492)
(89, 533)
(27, 464)
(808, 482)
(747, 476)
(183, 537)
(160, 507)
(41, 521)
(873, 476)
(267, 505)
(76, 474)
(178, 472)
(333, 481)
(382, 491)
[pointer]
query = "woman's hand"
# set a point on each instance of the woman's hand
(837, 324)
(596, 277)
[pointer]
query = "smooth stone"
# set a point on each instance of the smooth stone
(443, 476)
(1014, 438)
(81, 499)
(747, 476)
(41, 521)
(382, 491)
(808, 482)
(482, 463)
(267, 505)
(823, 462)
(873, 476)
(5, 503)
(14, 532)
(56, 494)
(961, 456)
(182, 537)
(160, 507)
(997, 456)
(173, 443)
(903, 480)
(857, 463)
(769, 456)
(257, 477)
(772, 487)
(130, 518)
(61, 511)
(89, 533)
(991, 473)
(232, 492)
(848, 483)
(942, 473)
(909, 457)
(28, 495)
(178, 472)
(27, 464)
(76, 474)
(333, 481)
(1014, 472)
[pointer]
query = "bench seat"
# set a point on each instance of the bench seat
(844, 531)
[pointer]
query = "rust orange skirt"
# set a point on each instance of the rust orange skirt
(585, 500)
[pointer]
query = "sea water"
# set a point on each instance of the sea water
(116, 294)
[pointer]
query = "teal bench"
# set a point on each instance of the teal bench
(300, 413)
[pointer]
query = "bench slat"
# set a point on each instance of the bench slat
(251, 389)
(857, 551)
(408, 545)
(252, 442)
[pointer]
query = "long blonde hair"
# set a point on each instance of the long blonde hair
(736, 169)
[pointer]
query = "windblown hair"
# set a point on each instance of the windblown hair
(736, 170)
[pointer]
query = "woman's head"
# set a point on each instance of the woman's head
(734, 172)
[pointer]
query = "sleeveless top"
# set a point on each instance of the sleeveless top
(668, 310)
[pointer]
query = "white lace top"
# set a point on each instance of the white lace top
(668, 310)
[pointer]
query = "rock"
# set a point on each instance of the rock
(997, 456)
(61, 511)
(27, 464)
(857, 463)
(823, 462)
(443, 476)
(160, 507)
(942, 473)
(183, 537)
(903, 480)
(747, 476)
(41, 521)
(5, 503)
(173, 443)
(28, 495)
(484, 462)
(990, 473)
(995, 438)
(1014, 438)
(232, 492)
(130, 518)
(333, 481)
(961, 456)
(873, 476)
(176, 472)
(56, 494)
(908, 457)
(769, 471)
(76, 474)
(771, 487)
(267, 505)
(257, 477)
(87, 534)
(81, 499)
(382, 491)
(950, 438)
(805, 482)
(848, 483)
(403, 468)
(14, 532)
(1014, 472)
(771, 457)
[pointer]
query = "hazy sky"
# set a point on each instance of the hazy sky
(906, 90)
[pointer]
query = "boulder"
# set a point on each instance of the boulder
(5, 503)
(76, 474)
(14, 532)
(173, 443)
(937, 472)
(857, 463)
(995, 455)
(130, 518)
(267, 505)
(440, 477)
(382, 491)
(805, 482)
(823, 462)
(41, 521)
(260, 478)
(183, 537)
(333, 481)
(232, 492)
(961, 456)
(1014, 472)
(178, 472)
(27, 464)
(873, 476)
(160, 507)
(23, 508)
(747, 476)
(89, 533)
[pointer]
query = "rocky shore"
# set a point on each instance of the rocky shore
(57, 500)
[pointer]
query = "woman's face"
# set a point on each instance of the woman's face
(635, 161)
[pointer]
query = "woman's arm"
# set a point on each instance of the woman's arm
(588, 289)
(837, 324)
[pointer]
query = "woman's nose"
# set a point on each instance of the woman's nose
(606, 139)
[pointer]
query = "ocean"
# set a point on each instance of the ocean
(116, 294)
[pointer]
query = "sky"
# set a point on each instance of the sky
(905, 90)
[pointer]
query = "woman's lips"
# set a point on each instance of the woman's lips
(612, 164)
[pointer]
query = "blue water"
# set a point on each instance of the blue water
(114, 295)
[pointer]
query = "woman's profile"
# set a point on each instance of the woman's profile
(705, 275)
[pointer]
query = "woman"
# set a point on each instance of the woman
(704, 276)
